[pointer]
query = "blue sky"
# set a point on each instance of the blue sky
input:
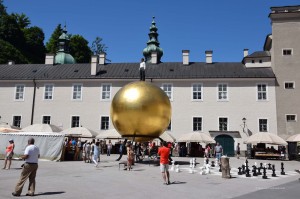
(224, 26)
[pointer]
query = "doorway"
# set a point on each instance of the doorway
(227, 142)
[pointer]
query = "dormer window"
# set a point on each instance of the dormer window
(253, 61)
(260, 61)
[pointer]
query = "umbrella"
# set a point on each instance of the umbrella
(166, 136)
(7, 130)
(294, 138)
(196, 137)
(80, 131)
(109, 134)
(9, 126)
(266, 138)
(42, 128)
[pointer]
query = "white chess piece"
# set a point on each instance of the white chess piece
(207, 169)
(173, 166)
(177, 168)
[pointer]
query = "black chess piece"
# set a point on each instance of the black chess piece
(273, 169)
(240, 171)
(212, 163)
(254, 170)
(259, 173)
(243, 169)
(247, 169)
(220, 169)
(264, 173)
(269, 168)
(261, 165)
(207, 160)
(282, 169)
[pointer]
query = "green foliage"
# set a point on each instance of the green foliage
(22, 20)
(9, 52)
(79, 49)
(35, 49)
(98, 47)
(52, 44)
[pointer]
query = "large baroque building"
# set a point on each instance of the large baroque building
(229, 100)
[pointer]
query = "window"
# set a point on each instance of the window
(286, 52)
(263, 125)
(253, 61)
(260, 61)
(168, 90)
(106, 88)
(289, 85)
(19, 94)
(169, 128)
(197, 123)
(77, 90)
(223, 122)
(48, 92)
(46, 120)
(197, 91)
(261, 92)
(104, 123)
(17, 121)
(222, 92)
(75, 121)
(291, 118)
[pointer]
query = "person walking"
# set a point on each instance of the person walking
(218, 152)
(96, 154)
(238, 151)
(164, 152)
(142, 69)
(9, 152)
(109, 147)
(31, 156)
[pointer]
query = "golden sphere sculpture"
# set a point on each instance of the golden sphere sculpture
(140, 111)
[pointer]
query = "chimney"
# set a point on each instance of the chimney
(208, 54)
(11, 62)
(246, 52)
(185, 57)
(154, 57)
(49, 58)
(94, 61)
(102, 57)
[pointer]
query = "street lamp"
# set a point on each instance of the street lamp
(244, 122)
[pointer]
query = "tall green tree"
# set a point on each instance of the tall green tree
(52, 44)
(35, 48)
(79, 49)
(9, 52)
(98, 46)
(22, 20)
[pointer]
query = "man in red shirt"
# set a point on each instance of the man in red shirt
(164, 152)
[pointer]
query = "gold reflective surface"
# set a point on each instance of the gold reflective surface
(140, 111)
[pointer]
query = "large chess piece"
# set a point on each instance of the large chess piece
(173, 166)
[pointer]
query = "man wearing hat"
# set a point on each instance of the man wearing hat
(9, 152)
(31, 156)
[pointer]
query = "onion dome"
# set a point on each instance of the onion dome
(63, 56)
(153, 44)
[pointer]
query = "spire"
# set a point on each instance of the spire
(153, 44)
(63, 55)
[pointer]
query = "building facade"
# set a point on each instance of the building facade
(229, 100)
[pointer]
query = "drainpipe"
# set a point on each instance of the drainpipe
(33, 101)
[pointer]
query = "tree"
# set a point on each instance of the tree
(79, 49)
(9, 52)
(35, 48)
(22, 20)
(98, 47)
(52, 44)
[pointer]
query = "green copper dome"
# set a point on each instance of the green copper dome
(153, 44)
(63, 56)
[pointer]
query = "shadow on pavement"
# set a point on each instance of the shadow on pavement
(178, 182)
(49, 193)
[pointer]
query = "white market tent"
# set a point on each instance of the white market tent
(49, 143)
